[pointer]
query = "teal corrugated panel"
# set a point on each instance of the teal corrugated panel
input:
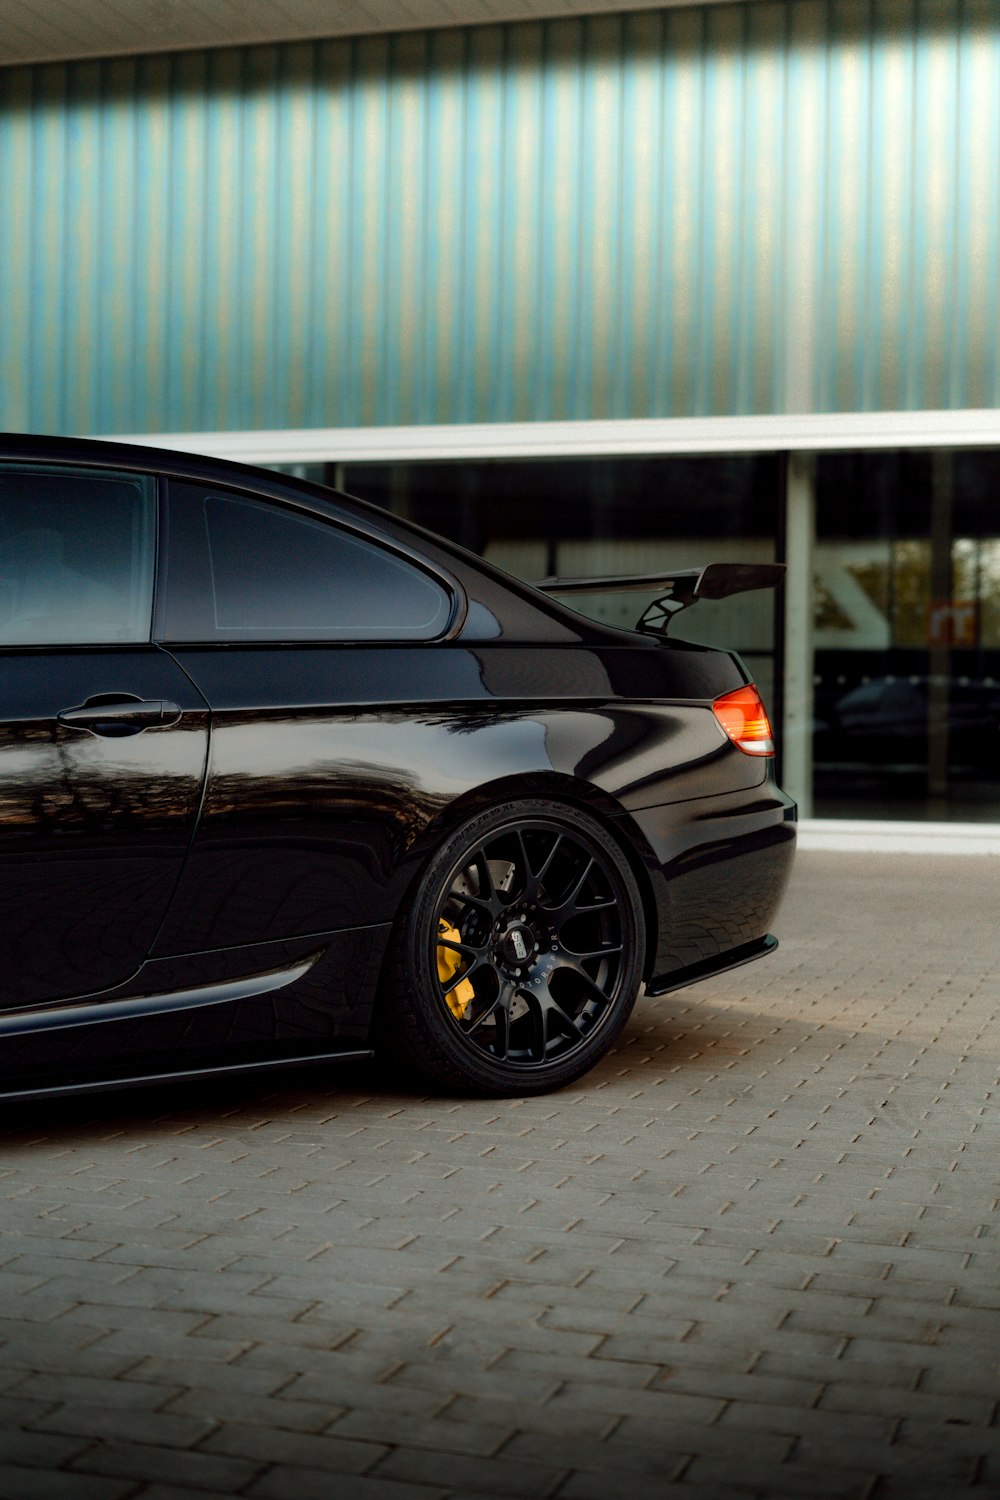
(973, 362)
(49, 309)
(764, 169)
(777, 205)
(640, 327)
(559, 370)
(20, 194)
(151, 242)
(890, 345)
(684, 207)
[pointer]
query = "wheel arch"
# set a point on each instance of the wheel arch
(574, 791)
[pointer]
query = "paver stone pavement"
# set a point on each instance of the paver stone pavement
(753, 1254)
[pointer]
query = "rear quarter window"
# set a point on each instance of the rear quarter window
(240, 569)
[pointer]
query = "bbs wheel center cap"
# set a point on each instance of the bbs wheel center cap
(517, 946)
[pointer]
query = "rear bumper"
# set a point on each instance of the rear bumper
(719, 867)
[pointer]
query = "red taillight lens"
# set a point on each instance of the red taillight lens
(744, 718)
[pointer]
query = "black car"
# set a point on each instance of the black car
(284, 778)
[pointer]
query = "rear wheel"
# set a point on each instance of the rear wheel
(516, 962)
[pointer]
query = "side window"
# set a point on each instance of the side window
(243, 570)
(76, 556)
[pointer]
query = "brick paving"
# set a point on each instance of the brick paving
(755, 1253)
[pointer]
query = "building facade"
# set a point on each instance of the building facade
(586, 293)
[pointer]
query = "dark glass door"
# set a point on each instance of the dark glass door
(907, 636)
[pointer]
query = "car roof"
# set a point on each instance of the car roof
(122, 453)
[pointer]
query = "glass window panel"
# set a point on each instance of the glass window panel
(276, 575)
(907, 635)
(76, 556)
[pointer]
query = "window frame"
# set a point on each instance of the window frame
(297, 507)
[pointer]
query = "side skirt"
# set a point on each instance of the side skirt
(79, 1087)
(92, 1013)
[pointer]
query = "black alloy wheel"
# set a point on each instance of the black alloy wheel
(517, 962)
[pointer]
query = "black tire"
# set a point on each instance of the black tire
(516, 960)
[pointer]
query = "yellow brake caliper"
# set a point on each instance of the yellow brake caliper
(449, 962)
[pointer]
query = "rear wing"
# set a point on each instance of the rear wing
(677, 590)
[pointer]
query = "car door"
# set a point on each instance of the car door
(103, 739)
(312, 646)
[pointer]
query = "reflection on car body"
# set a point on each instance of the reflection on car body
(283, 778)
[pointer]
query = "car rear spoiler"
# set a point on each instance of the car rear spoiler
(675, 591)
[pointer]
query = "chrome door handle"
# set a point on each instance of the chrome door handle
(113, 715)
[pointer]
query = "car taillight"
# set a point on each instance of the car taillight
(744, 718)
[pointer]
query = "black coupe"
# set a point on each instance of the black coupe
(284, 778)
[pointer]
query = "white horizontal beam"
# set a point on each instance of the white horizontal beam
(814, 432)
(850, 836)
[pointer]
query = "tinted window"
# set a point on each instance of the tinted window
(76, 556)
(245, 570)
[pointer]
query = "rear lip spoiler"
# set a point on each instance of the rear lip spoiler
(677, 590)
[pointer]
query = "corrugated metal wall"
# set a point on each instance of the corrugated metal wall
(746, 208)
